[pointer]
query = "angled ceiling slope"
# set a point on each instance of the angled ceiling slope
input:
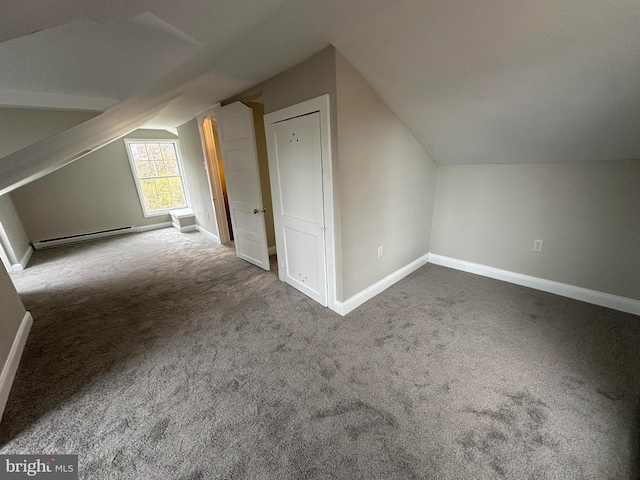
(500, 81)
(508, 81)
(163, 89)
(101, 63)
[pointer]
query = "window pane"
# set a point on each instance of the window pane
(171, 167)
(160, 169)
(165, 201)
(162, 186)
(168, 151)
(175, 184)
(148, 188)
(144, 169)
(157, 171)
(177, 192)
(153, 149)
(179, 201)
(149, 193)
(152, 203)
(138, 151)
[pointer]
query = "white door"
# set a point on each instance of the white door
(236, 136)
(295, 170)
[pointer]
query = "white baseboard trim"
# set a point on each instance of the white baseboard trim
(272, 250)
(153, 226)
(207, 233)
(623, 304)
(349, 305)
(188, 228)
(13, 360)
(18, 267)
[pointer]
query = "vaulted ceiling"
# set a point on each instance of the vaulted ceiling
(485, 81)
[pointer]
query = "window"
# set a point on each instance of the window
(157, 170)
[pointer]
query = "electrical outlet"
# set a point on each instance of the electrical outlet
(380, 251)
(537, 245)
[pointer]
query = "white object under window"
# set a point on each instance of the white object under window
(157, 170)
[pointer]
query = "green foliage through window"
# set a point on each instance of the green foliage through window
(158, 175)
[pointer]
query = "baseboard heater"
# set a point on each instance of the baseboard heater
(82, 237)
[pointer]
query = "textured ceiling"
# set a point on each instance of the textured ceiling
(488, 81)
(507, 81)
(90, 59)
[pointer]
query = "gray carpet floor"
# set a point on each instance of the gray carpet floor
(162, 356)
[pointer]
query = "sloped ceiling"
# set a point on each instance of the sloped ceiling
(488, 81)
(508, 81)
(88, 59)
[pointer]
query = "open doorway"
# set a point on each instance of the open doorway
(242, 136)
(216, 150)
(217, 181)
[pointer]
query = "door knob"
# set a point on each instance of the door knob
(256, 211)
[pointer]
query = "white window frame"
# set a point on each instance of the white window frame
(136, 178)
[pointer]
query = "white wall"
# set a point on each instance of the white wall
(12, 313)
(384, 180)
(94, 193)
(13, 238)
(20, 127)
(196, 176)
(387, 185)
(587, 213)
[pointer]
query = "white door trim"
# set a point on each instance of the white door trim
(319, 104)
(213, 179)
